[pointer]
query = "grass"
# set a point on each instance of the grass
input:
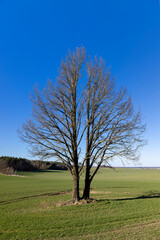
(127, 207)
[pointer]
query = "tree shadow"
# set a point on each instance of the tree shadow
(147, 195)
(121, 187)
(33, 196)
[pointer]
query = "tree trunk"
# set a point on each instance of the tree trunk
(86, 191)
(75, 193)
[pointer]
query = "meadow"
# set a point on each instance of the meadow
(127, 206)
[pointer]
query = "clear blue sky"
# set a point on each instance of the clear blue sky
(35, 35)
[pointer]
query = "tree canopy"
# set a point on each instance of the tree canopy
(82, 120)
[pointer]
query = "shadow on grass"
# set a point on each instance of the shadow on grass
(33, 196)
(121, 187)
(147, 195)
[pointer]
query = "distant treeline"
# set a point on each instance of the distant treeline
(9, 165)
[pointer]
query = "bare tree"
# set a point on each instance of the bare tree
(82, 109)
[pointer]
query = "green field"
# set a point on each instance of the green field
(127, 206)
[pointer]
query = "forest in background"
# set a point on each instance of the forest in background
(10, 165)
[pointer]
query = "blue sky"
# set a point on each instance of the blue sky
(36, 35)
